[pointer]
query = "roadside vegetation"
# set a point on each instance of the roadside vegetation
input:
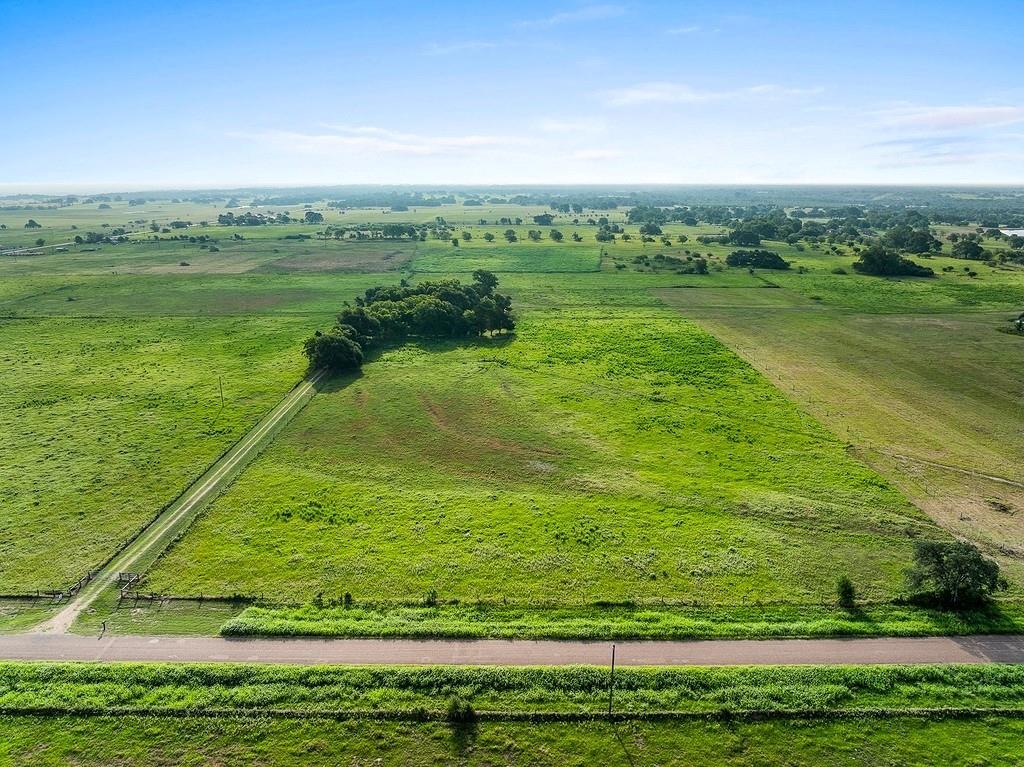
(419, 693)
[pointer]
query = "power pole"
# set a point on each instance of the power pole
(221, 380)
(611, 682)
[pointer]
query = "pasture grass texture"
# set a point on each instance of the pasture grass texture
(133, 741)
(940, 386)
(613, 456)
(415, 690)
(111, 419)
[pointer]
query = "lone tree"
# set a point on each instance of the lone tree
(969, 250)
(884, 262)
(953, 574)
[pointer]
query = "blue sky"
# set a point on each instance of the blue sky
(144, 94)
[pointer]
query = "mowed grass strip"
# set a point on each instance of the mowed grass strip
(108, 420)
(134, 741)
(590, 458)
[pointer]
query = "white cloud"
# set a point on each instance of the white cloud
(595, 154)
(680, 93)
(584, 13)
(368, 139)
(580, 125)
(658, 93)
(442, 49)
(951, 117)
(942, 149)
(684, 30)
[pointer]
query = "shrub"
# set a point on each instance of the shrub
(846, 593)
(460, 711)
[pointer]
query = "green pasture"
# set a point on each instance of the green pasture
(143, 714)
(133, 741)
(107, 420)
(594, 456)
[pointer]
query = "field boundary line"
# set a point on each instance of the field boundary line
(177, 515)
(958, 469)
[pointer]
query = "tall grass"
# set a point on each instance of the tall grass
(64, 687)
(502, 622)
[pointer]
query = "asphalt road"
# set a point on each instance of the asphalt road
(886, 650)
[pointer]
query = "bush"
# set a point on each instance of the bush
(846, 593)
(460, 711)
(333, 351)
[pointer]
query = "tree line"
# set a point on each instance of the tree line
(391, 314)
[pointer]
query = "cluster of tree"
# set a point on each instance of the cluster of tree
(904, 237)
(390, 314)
(252, 218)
(879, 260)
(92, 238)
(757, 259)
(689, 265)
(969, 249)
(393, 200)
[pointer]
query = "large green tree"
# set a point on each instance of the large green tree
(953, 574)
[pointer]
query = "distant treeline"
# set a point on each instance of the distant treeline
(391, 314)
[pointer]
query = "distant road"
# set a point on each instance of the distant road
(68, 647)
(164, 528)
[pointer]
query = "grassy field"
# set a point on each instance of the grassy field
(112, 419)
(61, 713)
(135, 741)
(927, 389)
(612, 457)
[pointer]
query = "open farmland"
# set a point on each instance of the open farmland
(112, 419)
(613, 464)
(592, 457)
(932, 398)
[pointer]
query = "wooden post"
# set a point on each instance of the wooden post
(611, 682)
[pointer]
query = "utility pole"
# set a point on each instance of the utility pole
(221, 380)
(611, 682)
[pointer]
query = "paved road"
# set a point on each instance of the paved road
(68, 647)
(178, 515)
